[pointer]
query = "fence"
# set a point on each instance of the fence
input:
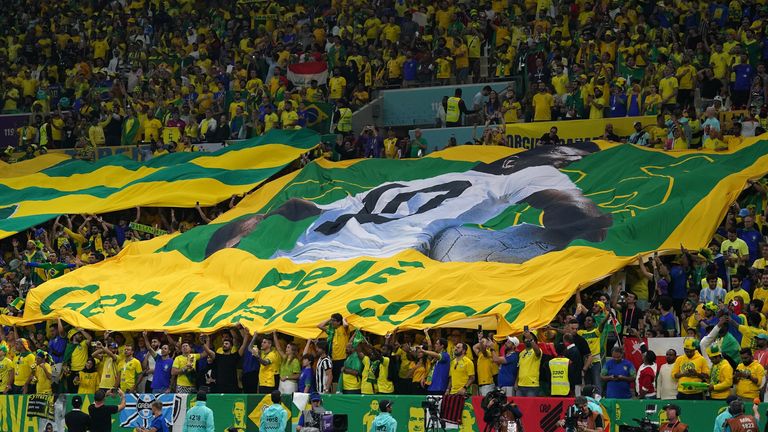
(244, 412)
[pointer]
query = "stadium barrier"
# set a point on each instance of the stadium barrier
(527, 135)
(27, 413)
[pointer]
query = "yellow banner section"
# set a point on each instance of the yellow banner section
(526, 135)
(377, 295)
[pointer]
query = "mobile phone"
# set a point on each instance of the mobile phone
(525, 329)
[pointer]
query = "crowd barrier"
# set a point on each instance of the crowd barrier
(20, 413)
(527, 135)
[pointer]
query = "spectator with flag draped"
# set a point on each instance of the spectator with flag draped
(721, 376)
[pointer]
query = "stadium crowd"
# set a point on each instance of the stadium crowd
(176, 72)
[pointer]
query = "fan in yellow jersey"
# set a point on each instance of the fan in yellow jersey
(690, 368)
(24, 367)
(6, 371)
(78, 355)
(185, 366)
(87, 379)
(749, 376)
(128, 371)
(43, 373)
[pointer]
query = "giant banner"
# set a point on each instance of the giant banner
(465, 234)
(59, 185)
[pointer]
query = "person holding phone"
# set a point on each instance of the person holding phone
(530, 362)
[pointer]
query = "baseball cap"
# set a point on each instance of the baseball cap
(515, 341)
(744, 212)
(315, 396)
(762, 336)
(601, 304)
(385, 404)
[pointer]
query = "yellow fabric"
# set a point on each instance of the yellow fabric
(366, 386)
(88, 382)
(128, 372)
(745, 388)
(528, 370)
(180, 362)
(721, 380)
(267, 372)
(6, 365)
(390, 148)
(23, 368)
(461, 369)
(350, 382)
(383, 382)
(43, 379)
(79, 356)
(107, 368)
(484, 368)
(405, 363)
(683, 364)
(761, 294)
(667, 87)
(593, 340)
(748, 335)
(339, 343)
(542, 106)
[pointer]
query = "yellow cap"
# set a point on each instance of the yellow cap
(690, 344)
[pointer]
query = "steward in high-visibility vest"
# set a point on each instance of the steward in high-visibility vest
(558, 369)
(452, 113)
(454, 108)
(344, 125)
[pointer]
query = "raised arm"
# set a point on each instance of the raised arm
(246, 337)
(202, 214)
(277, 345)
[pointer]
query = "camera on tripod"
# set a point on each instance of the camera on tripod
(432, 420)
(644, 424)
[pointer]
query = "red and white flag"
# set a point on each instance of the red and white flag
(301, 74)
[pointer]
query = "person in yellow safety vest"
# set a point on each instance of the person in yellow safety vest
(454, 108)
(559, 371)
(45, 133)
(344, 114)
